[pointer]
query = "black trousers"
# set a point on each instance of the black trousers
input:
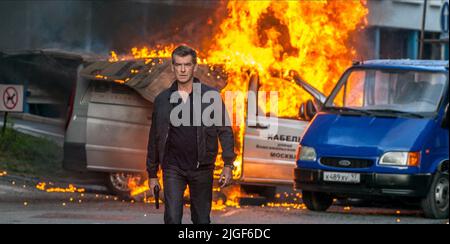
(200, 182)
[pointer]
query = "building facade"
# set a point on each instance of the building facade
(395, 29)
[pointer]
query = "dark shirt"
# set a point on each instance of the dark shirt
(182, 142)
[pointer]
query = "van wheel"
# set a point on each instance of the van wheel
(118, 183)
(317, 201)
(435, 204)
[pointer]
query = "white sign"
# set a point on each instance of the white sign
(11, 98)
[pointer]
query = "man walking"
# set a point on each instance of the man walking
(185, 143)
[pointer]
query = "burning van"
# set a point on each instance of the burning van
(257, 43)
(110, 116)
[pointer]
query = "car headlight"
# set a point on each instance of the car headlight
(401, 159)
(307, 153)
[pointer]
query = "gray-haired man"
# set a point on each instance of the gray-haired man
(187, 152)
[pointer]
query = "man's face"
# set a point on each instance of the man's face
(184, 68)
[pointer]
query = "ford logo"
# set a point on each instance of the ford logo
(344, 163)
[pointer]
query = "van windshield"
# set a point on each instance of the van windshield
(389, 91)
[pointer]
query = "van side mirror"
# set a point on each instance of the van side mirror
(445, 119)
(310, 110)
(301, 112)
(307, 110)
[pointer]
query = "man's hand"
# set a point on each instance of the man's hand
(152, 183)
(226, 176)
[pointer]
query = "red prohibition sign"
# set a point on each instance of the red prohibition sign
(10, 98)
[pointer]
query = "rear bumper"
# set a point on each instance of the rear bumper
(372, 184)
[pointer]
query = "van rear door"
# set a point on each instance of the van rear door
(117, 129)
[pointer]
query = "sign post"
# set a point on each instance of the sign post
(444, 21)
(444, 18)
(11, 100)
(5, 120)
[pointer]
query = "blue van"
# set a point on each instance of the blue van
(382, 132)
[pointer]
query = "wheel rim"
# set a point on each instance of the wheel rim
(120, 180)
(441, 194)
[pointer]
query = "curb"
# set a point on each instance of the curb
(38, 119)
(89, 188)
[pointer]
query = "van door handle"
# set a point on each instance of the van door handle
(259, 126)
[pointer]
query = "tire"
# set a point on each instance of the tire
(317, 201)
(117, 183)
(435, 204)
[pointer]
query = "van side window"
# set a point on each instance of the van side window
(355, 84)
(290, 98)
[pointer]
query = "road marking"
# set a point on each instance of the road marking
(5, 189)
(232, 212)
(23, 127)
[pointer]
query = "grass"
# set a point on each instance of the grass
(27, 155)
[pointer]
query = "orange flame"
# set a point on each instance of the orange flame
(274, 37)
(159, 52)
(136, 188)
(113, 57)
(144, 53)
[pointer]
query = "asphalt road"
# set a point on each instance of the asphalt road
(21, 202)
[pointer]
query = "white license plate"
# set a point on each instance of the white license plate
(342, 177)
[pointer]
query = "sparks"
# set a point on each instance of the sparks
(42, 186)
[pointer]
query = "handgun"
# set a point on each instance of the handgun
(156, 194)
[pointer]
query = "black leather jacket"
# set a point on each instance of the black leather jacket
(207, 136)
